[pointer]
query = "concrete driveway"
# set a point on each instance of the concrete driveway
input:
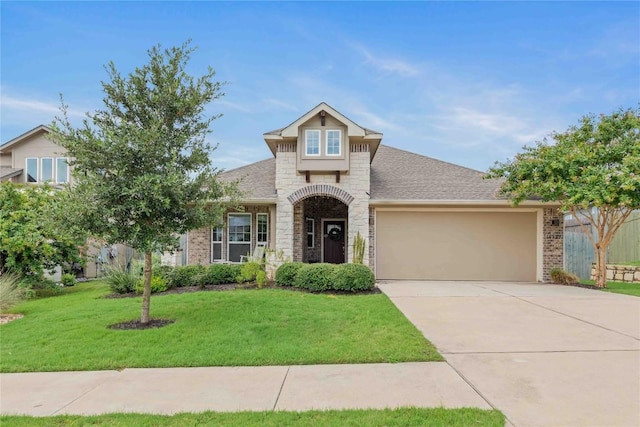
(545, 355)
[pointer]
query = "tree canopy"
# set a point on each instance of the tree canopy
(141, 165)
(592, 170)
(30, 239)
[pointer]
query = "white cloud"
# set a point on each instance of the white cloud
(34, 106)
(233, 105)
(279, 104)
(388, 65)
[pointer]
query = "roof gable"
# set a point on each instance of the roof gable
(4, 148)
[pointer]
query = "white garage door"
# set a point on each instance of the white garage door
(456, 245)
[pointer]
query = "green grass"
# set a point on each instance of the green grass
(227, 328)
(618, 287)
(632, 263)
(464, 417)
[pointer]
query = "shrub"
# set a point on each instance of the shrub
(248, 272)
(562, 277)
(120, 280)
(359, 244)
(68, 280)
(10, 291)
(158, 284)
(220, 274)
(315, 277)
(286, 273)
(186, 275)
(353, 277)
(164, 271)
(261, 279)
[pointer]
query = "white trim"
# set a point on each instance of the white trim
(540, 245)
(326, 134)
(221, 242)
(306, 142)
(313, 232)
(56, 170)
(345, 232)
(53, 171)
(26, 169)
(229, 232)
(266, 241)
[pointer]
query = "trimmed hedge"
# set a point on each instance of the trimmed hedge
(353, 277)
(219, 274)
(185, 276)
(315, 277)
(286, 273)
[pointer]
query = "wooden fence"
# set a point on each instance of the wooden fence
(579, 253)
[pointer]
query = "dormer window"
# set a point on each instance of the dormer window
(334, 142)
(312, 142)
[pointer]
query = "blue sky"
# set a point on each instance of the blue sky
(464, 82)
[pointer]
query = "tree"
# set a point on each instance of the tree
(593, 170)
(142, 169)
(30, 239)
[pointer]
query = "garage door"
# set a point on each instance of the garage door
(456, 245)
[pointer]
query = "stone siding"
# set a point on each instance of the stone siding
(553, 241)
(619, 273)
(291, 186)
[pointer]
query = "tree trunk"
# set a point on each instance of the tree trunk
(146, 293)
(601, 266)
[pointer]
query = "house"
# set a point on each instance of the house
(330, 179)
(32, 158)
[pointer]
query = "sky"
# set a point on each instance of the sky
(465, 82)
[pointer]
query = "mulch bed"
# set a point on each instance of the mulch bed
(233, 286)
(8, 317)
(135, 324)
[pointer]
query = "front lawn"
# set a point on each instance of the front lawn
(464, 417)
(618, 287)
(225, 328)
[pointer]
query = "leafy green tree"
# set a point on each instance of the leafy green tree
(142, 169)
(593, 170)
(31, 240)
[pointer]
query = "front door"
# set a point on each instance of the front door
(333, 236)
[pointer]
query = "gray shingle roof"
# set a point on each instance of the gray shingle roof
(258, 179)
(7, 172)
(401, 175)
(396, 175)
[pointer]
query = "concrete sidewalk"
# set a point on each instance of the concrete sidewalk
(293, 388)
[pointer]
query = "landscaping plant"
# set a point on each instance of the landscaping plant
(10, 291)
(353, 277)
(68, 279)
(562, 277)
(286, 273)
(249, 271)
(121, 280)
(144, 161)
(359, 245)
(315, 277)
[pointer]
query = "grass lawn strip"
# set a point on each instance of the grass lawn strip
(464, 417)
(228, 328)
(617, 287)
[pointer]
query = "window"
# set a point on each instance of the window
(46, 169)
(312, 142)
(62, 170)
(32, 170)
(263, 227)
(239, 235)
(310, 231)
(216, 244)
(333, 143)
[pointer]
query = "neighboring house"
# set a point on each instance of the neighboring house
(422, 218)
(32, 158)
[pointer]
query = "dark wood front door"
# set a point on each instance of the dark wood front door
(333, 235)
